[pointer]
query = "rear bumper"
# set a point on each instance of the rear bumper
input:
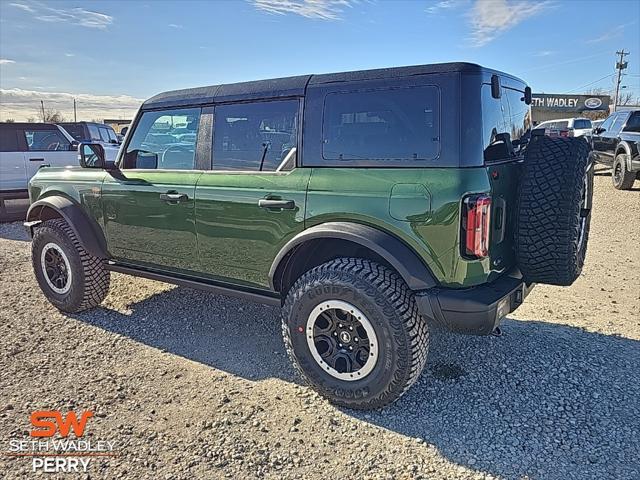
(476, 310)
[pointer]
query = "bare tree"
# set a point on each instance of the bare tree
(627, 98)
(52, 116)
(31, 119)
(10, 120)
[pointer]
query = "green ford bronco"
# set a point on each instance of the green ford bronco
(370, 205)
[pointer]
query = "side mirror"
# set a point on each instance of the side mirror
(496, 91)
(527, 95)
(124, 130)
(73, 146)
(598, 130)
(92, 155)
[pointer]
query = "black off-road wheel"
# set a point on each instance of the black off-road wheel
(353, 331)
(70, 278)
(554, 210)
(622, 178)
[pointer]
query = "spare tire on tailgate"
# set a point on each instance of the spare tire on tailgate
(554, 210)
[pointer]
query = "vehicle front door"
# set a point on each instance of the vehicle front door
(600, 139)
(149, 205)
(253, 200)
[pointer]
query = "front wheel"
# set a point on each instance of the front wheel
(70, 278)
(353, 331)
(622, 178)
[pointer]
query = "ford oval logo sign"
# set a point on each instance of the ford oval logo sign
(592, 102)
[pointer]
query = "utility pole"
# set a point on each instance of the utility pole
(42, 105)
(75, 112)
(620, 65)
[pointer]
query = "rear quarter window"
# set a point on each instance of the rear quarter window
(633, 124)
(382, 125)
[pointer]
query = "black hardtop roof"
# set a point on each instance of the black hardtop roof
(82, 122)
(34, 125)
(296, 86)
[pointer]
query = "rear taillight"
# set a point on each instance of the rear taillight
(566, 133)
(476, 223)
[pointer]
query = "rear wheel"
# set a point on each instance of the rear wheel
(353, 331)
(70, 278)
(622, 178)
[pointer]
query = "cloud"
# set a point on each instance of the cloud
(22, 6)
(442, 5)
(491, 18)
(175, 25)
(20, 104)
(69, 54)
(6, 61)
(321, 9)
(544, 53)
(76, 16)
(609, 34)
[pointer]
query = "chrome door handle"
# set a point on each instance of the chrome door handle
(283, 204)
(174, 197)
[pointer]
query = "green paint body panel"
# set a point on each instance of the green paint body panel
(219, 231)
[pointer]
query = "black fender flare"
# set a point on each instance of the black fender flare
(624, 147)
(399, 255)
(86, 229)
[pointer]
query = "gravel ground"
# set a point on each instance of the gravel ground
(192, 385)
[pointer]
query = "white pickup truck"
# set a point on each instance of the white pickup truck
(25, 147)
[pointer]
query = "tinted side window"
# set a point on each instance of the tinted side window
(255, 136)
(104, 134)
(8, 140)
(606, 125)
(160, 140)
(389, 124)
(94, 133)
(46, 140)
(496, 126)
(618, 123)
(76, 131)
(633, 124)
(519, 117)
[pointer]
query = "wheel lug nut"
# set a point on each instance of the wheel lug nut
(340, 325)
(335, 334)
(350, 348)
(340, 345)
(350, 328)
(355, 339)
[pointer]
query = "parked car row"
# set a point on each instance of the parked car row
(566, 127)
(615, 143)
(26, 147)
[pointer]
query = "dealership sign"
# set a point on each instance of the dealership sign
(569, 103)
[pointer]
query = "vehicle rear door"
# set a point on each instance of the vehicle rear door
(13, 173)
(46, 145)
(253, 199)
(149, 206)
(610, 138)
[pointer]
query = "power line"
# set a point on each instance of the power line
(589, 84)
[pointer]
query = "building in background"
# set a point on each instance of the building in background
(117, 125)
(551, 106)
